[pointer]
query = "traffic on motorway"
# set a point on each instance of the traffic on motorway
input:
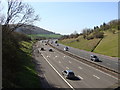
(74, 73)
(109, 62)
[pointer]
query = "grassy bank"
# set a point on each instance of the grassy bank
(18, 68)
(108, 45)
(28, 76)
(81, 44)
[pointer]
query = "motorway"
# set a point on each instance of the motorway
(110, 62)
(53, 63)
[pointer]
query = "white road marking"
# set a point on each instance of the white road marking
(96, 76)
(58, 72)
(59, 62)
(69, 62)
(67, 67)
(56, 56)
(80, 67)
(90, 66)
(80, 77)
(64, 56)
(47, 56)
(38, 63)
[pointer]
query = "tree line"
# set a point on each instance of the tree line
(97, 31)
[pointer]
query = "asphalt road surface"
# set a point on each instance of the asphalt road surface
(110, 62)
(53, 63)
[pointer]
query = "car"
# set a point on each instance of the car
(69, 74)
(51, 42)
(45, 43)
(42, 49)
(94, 58)
(50, 50)
(66, 49)
(55, 41)
(57, 44)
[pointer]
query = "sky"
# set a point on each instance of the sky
(67, 17)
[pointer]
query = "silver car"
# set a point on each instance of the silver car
(94, 58)
(68, 74)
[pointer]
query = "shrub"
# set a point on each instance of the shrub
(98, 35)
(90, 37)
(77, 40)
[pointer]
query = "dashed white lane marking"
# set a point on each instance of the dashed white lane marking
(67, 67)
(69, 61)
(64, 56)
(90, 66)
(80, 67)
(47, 56)
(96, 76)
(59, 62)
(56, 56)
(58, 73)
(80, 77)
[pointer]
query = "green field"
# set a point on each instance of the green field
(108, 45)
(45, 35)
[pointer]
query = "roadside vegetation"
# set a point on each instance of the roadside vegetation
(44, 36)
(18, 69)
(101, 39)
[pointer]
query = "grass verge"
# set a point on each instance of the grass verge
(27, 77)
(108, 45)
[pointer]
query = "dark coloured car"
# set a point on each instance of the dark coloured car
(42, 49)
(69, 74)
(57, 44)
(50, 50)
(94, 58)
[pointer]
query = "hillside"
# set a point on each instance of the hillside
(33, 30)
(109, 45)
(102, 39)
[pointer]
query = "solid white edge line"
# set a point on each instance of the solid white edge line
(58, 73)
(91, 67)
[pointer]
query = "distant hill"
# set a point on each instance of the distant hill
(29, 29)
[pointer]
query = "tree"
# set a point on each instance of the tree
(18, 14)
(1, 14)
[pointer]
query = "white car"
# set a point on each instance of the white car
(66, 49)
(94, 58)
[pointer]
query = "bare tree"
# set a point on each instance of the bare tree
(19, 14)
(2, 17)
